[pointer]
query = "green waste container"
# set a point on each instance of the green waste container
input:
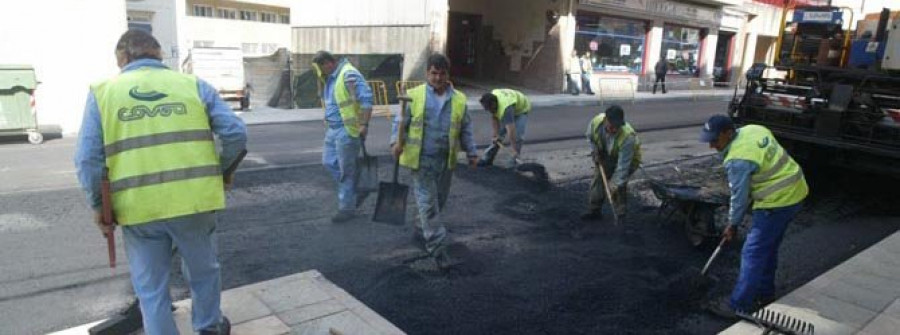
(17, 115)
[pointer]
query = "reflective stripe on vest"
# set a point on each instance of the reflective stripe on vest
(625, 131)
(779, 181)
(508, 97)
(412, 145)
(159, 148)
(346, 102)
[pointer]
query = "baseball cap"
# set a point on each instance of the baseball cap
(715, 125)
(615, 115)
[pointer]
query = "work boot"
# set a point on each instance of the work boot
(721, 308)
(484, 163)
(342, 216)
(223, 328)
(443, 258)
(592, 216)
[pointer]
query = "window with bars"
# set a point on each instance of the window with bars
(247, 15)
(267, 17)
(286, 19)
(203, 10)
(226, 13)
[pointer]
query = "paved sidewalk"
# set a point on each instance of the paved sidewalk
(860, 296)
(301, 304)
(268, 115)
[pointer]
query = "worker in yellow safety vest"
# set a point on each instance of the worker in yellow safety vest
(347, 99)
(152, 129)
(616, 148)
(509, 110)
(436, 127)
(762, 172)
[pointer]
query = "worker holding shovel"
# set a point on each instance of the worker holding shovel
(617, 150)
(509, 110)
(426, 138)
(759, 169)
(348, 107)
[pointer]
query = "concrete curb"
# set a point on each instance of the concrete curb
(267, 115)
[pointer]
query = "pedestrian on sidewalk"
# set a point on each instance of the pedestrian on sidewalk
(509, 110)
(616, 148)
(758, 169)
(436, 125)
(573, 74)
(662, 66)
(587, 70)
(165, 176)
(348, 106)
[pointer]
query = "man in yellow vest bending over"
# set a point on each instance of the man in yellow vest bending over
(617, 148)
(509, 109)
(437, 127)
(761, 171)
(348, 107)
(152, 128)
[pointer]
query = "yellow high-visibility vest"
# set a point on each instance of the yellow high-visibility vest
(624, 132)
(509, 97)
(412, 147)
(159, 146)
(779, 180)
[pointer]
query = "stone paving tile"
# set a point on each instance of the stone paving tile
(867, 297)
(241, 306)
(346, 323)
(291, 295)
(309, 312)
(377, 322)
(265, 326)
(883, 324)
(893, 310)
(834, 309)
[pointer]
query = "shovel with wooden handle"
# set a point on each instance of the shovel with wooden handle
(612, 205)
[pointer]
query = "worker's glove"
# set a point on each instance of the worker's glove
(595, 157)
(613, 189)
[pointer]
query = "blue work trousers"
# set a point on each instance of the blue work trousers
(149, 248)
(339, 157)
(521, 121)
(759, 258)
(431, 185)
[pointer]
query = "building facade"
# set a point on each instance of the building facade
(68, 52)
(258, 27)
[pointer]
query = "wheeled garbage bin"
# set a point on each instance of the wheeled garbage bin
(17, 113)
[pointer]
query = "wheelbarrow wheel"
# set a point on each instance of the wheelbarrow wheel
(35, 137)
(699, 226)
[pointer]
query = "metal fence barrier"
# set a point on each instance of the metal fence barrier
(615, 89)
(380, 104)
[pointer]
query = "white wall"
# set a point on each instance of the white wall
(232, 33)
(71, 46)
(318, 13)
(164, 26)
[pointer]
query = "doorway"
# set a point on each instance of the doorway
(462, 43)
(722, 62)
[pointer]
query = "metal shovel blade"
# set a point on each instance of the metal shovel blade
(367, 173)
(391, 205)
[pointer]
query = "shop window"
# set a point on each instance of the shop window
(612, 44)
(681, 48)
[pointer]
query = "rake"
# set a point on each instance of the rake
(777, 323)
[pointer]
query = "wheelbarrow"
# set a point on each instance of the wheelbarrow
(696, 205)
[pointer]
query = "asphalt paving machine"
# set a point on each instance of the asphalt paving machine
(829, 98)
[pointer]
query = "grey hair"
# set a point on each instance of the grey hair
(137, 44)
